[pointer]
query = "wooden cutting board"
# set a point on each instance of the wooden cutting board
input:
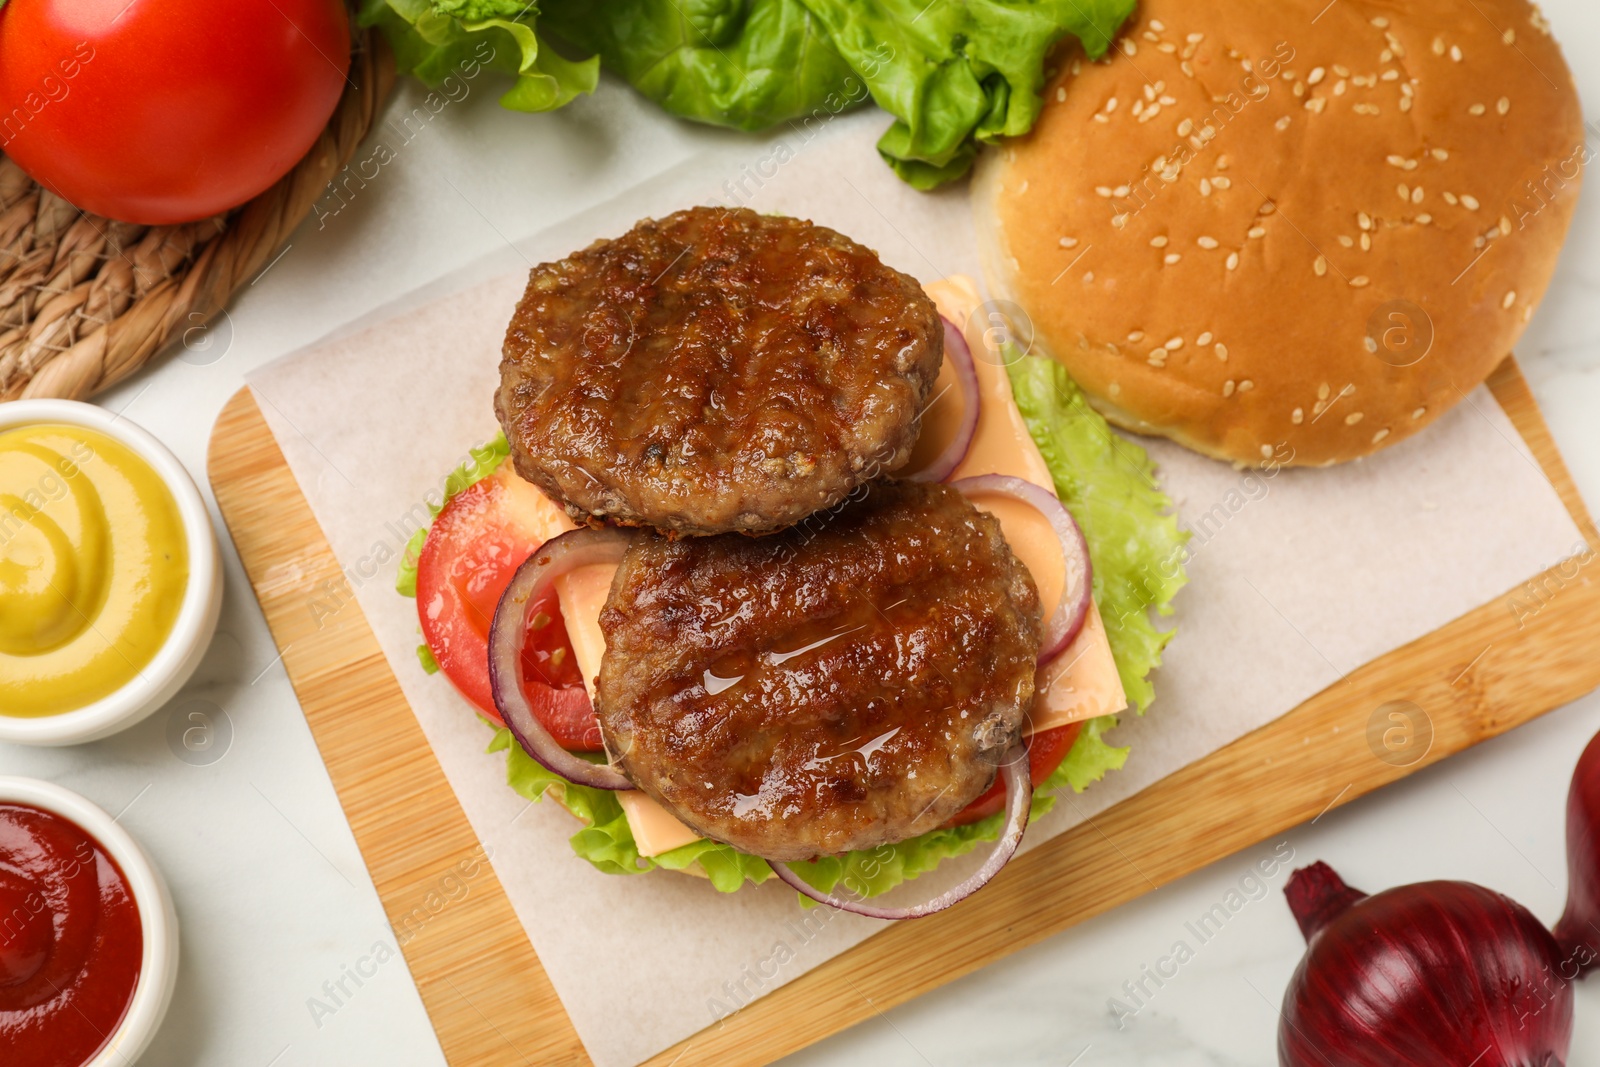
(1481, 675)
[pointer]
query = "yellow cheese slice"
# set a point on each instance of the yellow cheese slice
(1082, 682)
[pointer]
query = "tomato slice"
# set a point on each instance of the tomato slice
(1046, 750)
(474, 547)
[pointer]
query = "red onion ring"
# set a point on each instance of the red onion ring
(966, 375)
(1019, 801)
(1076, 587)
(556, 557)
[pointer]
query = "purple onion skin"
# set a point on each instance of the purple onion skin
(1421, 976)
(1578, 932)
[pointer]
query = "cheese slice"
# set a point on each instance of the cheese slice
(1081, 683)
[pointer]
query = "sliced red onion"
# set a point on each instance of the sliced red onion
(1019, 801)
(1064, 624)
(507, 634)
(966, 386)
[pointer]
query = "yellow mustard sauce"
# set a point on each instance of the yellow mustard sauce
(93, 567)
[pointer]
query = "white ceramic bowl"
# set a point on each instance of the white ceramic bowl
(158, 966)
(191, 634)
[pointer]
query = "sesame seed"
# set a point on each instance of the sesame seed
(1099, 118)
(1222, 162)
(1386, 55)
(1268, 208)
(1346, 241)
(1228, 387)
(1221, 350)
(1476, 109)
(1405, 102)
(1440, 154)
(1167, 101)
(1391, 75)
(1136, 336)
(1381, 22)
(1132, 47)
(1339, 87)
(1341, 70)
(1405, 191)
(1316, 104)
(1511, 298)
(1205, 187)
(1204, 339)
(1438, 46)
(1195, 38)
(1167, 47)
(1173, 344)
(1397, 161)
(1186, 127)
(1297, 416)
(1206, 242)
(1416, 195)
(1222, 183)
(1417, 414)
(1172, 257)
(1266, 451)
(1469, 202)
(1233, 260)
(1069, 242)
(1246, 385)
(1322, 391)
(1186, 68)
(1282, 124)
(1316, 76)
(1425, 219)
(1158, 242)
(1119, 221)
(1380, 435)
(1353, 418)
(1320, 265)
(1088, 276)
(1455, 52)
(1366, 242)
(1103, 191)
(1157, 25)
(1503, 105)
(1364, 219)
(1120, 191)
(1061, 96)
(1111, 105)
(1257, 231)
(1359, 281)
(1450, 198)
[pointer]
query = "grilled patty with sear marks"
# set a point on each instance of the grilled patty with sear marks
(848, 682)
(714, 371)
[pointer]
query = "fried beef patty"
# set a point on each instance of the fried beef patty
(713, 371)
(842, 684)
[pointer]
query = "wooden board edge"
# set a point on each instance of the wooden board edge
(1481, 697)
(441, 898)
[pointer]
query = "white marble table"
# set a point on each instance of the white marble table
(277, 907)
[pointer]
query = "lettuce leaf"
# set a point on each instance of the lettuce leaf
(736, 63)
(1109, 485)
(481, 462)
(953, 73)
(958, 73)
(437, 39)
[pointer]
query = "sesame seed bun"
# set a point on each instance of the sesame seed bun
(1288, 230)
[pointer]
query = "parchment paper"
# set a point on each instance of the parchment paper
(1295, 580)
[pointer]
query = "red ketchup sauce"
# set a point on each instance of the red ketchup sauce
(70, 941)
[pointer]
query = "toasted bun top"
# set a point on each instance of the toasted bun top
(1290, 230)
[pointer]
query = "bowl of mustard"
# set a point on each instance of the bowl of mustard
(110, 579)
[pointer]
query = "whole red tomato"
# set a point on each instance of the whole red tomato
(163, 111)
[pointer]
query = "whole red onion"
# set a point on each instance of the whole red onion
(1421, 976)
(1578, 932)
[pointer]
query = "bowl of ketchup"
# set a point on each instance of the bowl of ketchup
(88, 935)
